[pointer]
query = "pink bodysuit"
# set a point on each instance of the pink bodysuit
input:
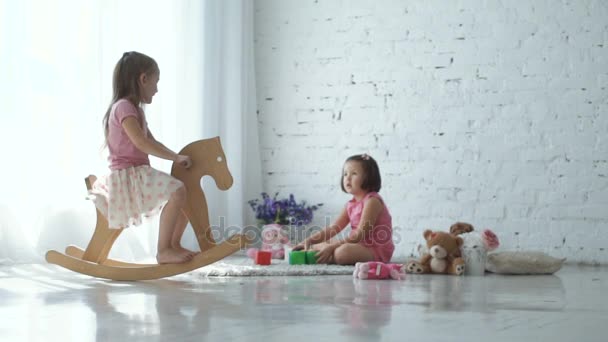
(380, 237)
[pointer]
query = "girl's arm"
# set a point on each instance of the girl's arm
(326, 233)
(371, 210)
(147, 145)
(161, 145)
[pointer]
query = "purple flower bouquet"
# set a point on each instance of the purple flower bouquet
(286, 211)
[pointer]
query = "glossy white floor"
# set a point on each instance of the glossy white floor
(46, 303)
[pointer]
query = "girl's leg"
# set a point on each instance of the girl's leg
(352, 253)
(166, 253)
(178, 232)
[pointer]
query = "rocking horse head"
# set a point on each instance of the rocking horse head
(208, 158)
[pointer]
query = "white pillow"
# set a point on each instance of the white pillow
(522, 262)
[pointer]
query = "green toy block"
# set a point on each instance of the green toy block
(311, 257)
(297, 258)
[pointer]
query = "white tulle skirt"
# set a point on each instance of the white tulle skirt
(125, 196)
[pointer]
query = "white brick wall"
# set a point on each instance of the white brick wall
(490, 112)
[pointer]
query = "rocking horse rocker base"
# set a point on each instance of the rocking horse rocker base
(207, 159)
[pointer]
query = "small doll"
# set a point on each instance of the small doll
(475, 250)
(274, 238)
(379, 270)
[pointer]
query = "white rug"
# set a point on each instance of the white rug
(240, 266)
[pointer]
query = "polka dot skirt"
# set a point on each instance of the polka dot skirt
(124, 196)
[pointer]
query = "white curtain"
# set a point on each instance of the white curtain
(56, 62)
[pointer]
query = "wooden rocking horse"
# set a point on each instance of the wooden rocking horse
(207, 159)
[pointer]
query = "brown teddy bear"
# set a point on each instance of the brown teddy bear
(443, 255)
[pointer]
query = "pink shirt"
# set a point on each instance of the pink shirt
(380, 238)
(123, 153)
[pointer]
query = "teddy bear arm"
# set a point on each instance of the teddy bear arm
(426, 259)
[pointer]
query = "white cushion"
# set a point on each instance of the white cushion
(522, 262)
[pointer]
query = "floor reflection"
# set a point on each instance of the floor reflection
(488, 293)
(42, 303)
(162, 310)
(371, 310)
(361, 307)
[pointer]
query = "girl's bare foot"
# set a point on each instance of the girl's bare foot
(172, 256)
(186, 251)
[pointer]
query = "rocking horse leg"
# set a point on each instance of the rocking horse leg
(198, 218)
(103, 238)
(101, 242)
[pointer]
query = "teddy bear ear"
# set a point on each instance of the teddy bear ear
(461, 228)
(427, 233)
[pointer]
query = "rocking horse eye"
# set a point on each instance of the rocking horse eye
(219, 159)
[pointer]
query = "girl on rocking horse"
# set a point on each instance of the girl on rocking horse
(133, 188)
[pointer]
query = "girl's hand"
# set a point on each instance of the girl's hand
(304, 245)
(183, 161)
(326, 255)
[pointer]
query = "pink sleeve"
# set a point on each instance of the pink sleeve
(125, 109)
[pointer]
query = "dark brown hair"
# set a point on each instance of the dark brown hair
(371, 178)
(125, 81)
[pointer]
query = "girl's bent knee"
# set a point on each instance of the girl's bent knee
(180, 195)
(349, 254)
(341, 256)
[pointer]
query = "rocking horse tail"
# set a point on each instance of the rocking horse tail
(103, 238)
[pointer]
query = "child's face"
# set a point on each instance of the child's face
(352, 177)
(149, 86)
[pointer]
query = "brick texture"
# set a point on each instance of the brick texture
(489, 112)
